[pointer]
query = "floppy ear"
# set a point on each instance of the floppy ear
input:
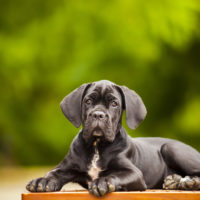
(135, 108)
(71, 105)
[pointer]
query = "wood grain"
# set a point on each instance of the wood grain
(84, 195)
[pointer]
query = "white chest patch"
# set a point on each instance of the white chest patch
(93, 169)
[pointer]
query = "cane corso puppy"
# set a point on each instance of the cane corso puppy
(103, 158)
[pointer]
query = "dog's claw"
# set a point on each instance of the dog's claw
(111, 187)
(39, 187)
(32, 188)
(100, 187)
(197, 182)
(28, 186)
(47, 188)
(94, 190)
(102, 191)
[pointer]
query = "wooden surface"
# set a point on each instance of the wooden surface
(147, 195)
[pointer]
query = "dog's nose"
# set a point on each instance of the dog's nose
(98, 115)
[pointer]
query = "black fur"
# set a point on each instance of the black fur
(126, 163)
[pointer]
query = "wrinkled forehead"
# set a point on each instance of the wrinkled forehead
(103, 88)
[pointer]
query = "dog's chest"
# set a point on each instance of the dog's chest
(93, 168)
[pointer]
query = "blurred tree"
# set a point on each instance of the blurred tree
(48, 48)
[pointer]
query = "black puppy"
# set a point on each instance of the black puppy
(103, 158)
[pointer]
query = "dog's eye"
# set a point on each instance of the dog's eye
(114, 103)
(88, 102)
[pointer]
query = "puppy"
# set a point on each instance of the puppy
(103, 158)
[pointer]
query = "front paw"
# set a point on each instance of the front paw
(43, 185)
(101, 186)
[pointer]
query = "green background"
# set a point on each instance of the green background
(49, 47)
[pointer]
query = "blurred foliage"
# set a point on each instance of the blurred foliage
(48, 48)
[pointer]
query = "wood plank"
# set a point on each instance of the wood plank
(147, 195)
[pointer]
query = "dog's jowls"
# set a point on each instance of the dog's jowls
(103, 158)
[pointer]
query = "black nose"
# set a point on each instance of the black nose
(98, 115)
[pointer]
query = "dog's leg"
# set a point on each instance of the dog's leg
(184, 160)
(53, 181)
(118, 178)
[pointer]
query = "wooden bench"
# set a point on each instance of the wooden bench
(146, 195)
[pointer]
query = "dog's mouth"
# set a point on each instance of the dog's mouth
(97, 132)
(93, 130)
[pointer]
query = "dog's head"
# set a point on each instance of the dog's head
(99, 106)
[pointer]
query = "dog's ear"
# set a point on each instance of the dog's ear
(71, 105)
(135, 108)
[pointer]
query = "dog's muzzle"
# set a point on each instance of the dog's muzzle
(98, 117)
